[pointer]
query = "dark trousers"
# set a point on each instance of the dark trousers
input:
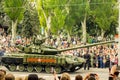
(87, 65)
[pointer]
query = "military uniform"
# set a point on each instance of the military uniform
(87, 57)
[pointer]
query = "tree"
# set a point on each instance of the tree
(30, 23)
(104, 13)
(44, 15)
(92, 27)
(14, 9)
(1, 12)
(78, 13)
(51, 15)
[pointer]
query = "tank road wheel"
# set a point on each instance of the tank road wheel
(21, 67)
(30, 68)
(12, 67)
(38, 68)
(49, 69)
(58, 69)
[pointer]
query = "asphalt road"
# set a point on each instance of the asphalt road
(103, 73)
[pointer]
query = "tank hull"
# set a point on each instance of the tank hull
(38, 63)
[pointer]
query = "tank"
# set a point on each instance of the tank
(37, 57)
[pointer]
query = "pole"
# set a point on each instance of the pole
(119, 33)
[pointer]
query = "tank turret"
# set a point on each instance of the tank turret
(38, 40)
(37, 47)
(39, 57)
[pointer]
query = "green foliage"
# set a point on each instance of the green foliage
(104, 13)
(14, 9)
(78, 10)
(1, 12)
(92, 27)
(64, 15)
(50, 9)
(30, 25)
(58, 20)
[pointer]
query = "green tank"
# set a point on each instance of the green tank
(38, 57)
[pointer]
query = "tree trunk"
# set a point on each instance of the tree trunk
(84, 30)
(48, 22)
(102, 34)
(69, 38)
(13, 30)
(48, 26)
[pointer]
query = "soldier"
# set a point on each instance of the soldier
(87, 58)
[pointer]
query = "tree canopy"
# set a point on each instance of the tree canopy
(69, 17)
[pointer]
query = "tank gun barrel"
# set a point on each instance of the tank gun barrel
(44, 50)
(88, 45)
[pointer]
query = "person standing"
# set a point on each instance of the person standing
(112, 60)
(87, 57)
(2, 52)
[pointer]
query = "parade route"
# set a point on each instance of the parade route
(103, 73)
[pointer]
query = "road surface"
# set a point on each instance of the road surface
(103, 73)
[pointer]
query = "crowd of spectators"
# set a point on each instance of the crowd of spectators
(113, 75)
(101, 56)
